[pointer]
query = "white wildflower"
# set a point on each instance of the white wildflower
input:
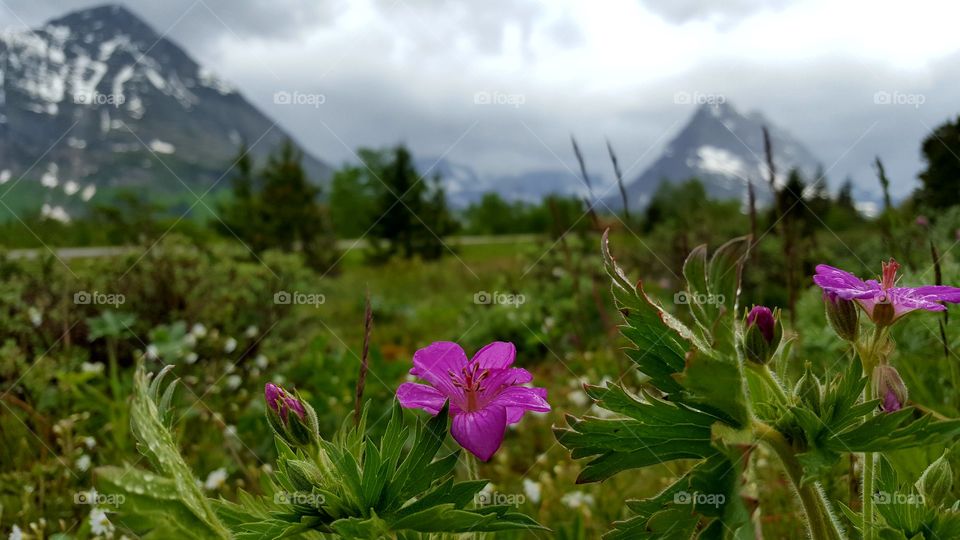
(99, 524)
(577, 499)
(91, 367)
(36, 316)
(152, 352)
(233, 382)
(83, 463)
(191, 358)
(532, 490)
(198, 330)
(15, 533)
(89, 442)
(261, 361)
(251, 331)
(230, 345)
(215, 479)
(579, 398)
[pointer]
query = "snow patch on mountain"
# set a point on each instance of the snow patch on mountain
(724, 149)
(162, 147)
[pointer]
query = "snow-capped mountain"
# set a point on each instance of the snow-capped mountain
(724, 149)
(97, 99)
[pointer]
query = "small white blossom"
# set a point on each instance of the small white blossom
(579, 398)
(577, 499)
(233, 382)
(36, 316)
(251, 331)
(532, 490)
(191, 358)
(152, 352)
(230, 345)
(83, 463)
(15, 533)
(91, 367)
(99, 524)
(215, 479)
(198, 330)
(262, 361)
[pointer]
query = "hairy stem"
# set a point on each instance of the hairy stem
(815, 506)
(868, 474)
(771, 381)
(870, 356)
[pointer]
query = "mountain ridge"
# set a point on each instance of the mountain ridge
(724, 149)
(125, 107)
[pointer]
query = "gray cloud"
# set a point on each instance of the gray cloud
(729, 11)
(414, 76)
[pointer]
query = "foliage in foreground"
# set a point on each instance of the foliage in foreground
(712, 398)
(351, 486)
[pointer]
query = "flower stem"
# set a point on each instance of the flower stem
(472, 467)
(820, 519)
(771, 381)
(869, 357)
(868, 475)
(473, 473)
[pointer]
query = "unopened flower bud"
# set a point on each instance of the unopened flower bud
(843, 316)
(762, 334)
(889, 388)
(936, 482)
(291, 418)
(808, 389)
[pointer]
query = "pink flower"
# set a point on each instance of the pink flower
(485, 393)
(883, 301)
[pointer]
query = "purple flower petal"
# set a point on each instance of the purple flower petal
(520, 399)
(498, 379)
(420, 396)
(293, 404)
(891, 403)
(480, 432)
(435, 362)
(843, 284)
(938, 293)
(496, 355)
(763, 318)
(906, 299)
(272, 393)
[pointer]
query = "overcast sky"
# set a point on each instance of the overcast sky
(411, 71)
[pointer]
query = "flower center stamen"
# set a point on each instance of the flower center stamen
(889, 276)
(470, 381)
